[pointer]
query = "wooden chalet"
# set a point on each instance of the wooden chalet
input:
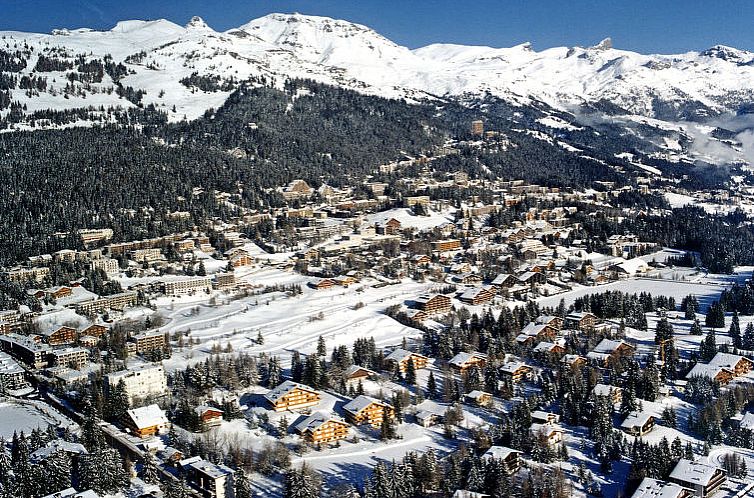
(355, 374)
(638, 423)
(516, 371)
(322, 283)
(209, 416)
(463, 361)
(400, 357)
(511, 458)
(146, 421)
(367, 410)
(61, 336)
(581, 320)
(552, 433)
(478, 296)
(95, 330)
(479, 398)
(433, 303)
(292, 396)
(322, 428)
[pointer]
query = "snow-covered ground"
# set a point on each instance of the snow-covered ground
(17, 415)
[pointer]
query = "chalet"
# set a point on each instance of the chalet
(739, 365)
(460, 268)
(479, 398)
(703, 479)
(534, 331)
(653, 488)
(638, 423)
(464, 493)
(292, 396)
(468, 278)
(747, 422)
(433, 303)
(426, 418)
(717, 373)
(553, 321)
(209, 416)
(146, 421)
(463, 361)
(241, 259)
(322, 283)
(723, 368)
(446, 245)
(549, 348)
(344, 280)
(516, 371)
(59, 292)
(609, 349)
(505, 280)
(400, 357)
(212, 480)
(389, 227)
(322, 428)
(574, 360)
(55, 446)
(614, 393)
(478, 296)
(511, 458)
(420, 259)
(355, 374)
(581, 320)
(553, 433)
(532, 278)
(542, 417)
(95, 330)
(61, 336)
(365, 409)
(416, 315)
(629, 268)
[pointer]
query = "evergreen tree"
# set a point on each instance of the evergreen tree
(410, 373)
(431, 386)
(149, 471)
(669, 417)
(696, 328)
(735, 331)
(302, 483)
(748, 339)
(242, 484)
(321, 347)
(387, 428)
(708, 347)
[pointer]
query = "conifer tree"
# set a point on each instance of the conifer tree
(735, 331)
(696, 328)
(748, 338)
(410, 373)
(431, 386)
(708, 347)
(387, 428)
(149, 471)
(242, 484)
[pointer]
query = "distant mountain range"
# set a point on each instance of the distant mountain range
(692, 107)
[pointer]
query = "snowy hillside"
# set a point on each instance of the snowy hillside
(183, 71)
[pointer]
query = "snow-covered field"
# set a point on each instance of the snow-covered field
(17, 416)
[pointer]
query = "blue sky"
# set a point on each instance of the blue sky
(657, 26)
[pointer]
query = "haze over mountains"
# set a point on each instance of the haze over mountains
(714, 87)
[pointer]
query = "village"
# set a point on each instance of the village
(361, 328)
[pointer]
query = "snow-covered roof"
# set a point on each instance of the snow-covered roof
(476, 394)
(632, 266)
(400, 355)
(499, 452)
(705, 370)
(608, 346)
(147, 416)
(210, 469)
(653, 488)
(355, 368)
(314, 421)
(747, 422)
(727, 360)
(360, 402)
(72, 493)
(285, 388)
(693, 472)
(636, 419)
(544, 347)
(512, 366)
(201, 409)
(604, 390)
(55, 446)
(461, 358)
(546, 428)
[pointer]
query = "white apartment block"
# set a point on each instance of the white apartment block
(141, 381)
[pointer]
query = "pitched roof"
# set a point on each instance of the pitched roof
(315, 421)
(693, 472)
(360, 402)
(401, 354)
(499, 452)
(461, 358)
(147, 416)
(285, 388)
(652, 488)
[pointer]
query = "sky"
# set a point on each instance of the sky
(656, 26)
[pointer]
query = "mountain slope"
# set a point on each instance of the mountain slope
(181, 72)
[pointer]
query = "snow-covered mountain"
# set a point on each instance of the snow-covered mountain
(185, 70)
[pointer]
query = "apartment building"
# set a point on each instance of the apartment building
(367, 410)
(187, 286)
(322, 428)
(292, 396)
(140, 381)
